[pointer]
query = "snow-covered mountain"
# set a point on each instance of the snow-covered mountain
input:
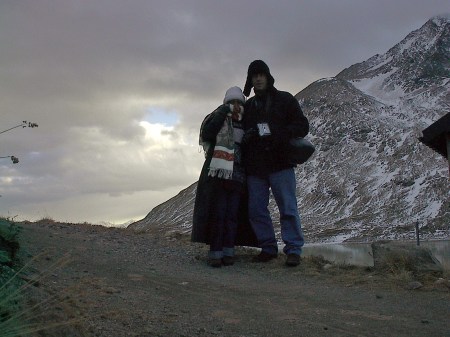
(370, 177)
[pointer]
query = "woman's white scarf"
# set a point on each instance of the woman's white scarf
(222, 161)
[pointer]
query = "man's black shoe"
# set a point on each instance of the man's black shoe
(228, 260)
(215, 263)
(264, 257)
(293, 260)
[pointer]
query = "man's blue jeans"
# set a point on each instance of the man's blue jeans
(283, 186)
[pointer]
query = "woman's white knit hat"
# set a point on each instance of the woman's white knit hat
(234, 93)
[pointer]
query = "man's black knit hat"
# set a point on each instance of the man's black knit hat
(257, 67)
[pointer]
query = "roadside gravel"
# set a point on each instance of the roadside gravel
(114, 282)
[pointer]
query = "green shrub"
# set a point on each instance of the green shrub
(11, 322)
(9, 230)
(9, 240)
(18, 318)
(4, 258)
(10, 303)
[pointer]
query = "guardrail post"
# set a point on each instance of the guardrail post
(417, 233)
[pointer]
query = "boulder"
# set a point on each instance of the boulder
(396, 256)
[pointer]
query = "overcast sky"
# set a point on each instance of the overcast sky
(119, 88)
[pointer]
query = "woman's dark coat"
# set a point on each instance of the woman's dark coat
(205, 195)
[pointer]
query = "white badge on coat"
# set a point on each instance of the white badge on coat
(263, 129)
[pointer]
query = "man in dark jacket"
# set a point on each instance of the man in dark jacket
(271, 119)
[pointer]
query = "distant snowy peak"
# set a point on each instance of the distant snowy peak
(428, 38)
(440, 20)
(422, 57)
(413, 73)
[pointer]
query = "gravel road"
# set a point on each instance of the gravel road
(97, 281)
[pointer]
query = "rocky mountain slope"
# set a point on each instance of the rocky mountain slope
(370, 177)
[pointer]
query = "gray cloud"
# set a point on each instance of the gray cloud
(90, 73)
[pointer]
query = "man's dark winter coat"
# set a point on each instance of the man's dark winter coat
(205, 195)
(281, 111)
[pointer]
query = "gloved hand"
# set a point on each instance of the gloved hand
(249, 136)
(223, 110)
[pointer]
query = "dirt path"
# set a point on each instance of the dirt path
(119, 283)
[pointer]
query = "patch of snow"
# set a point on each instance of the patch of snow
(415, 191)
(379, 65)
(406, 45)
(374, 87)
(326, 79)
